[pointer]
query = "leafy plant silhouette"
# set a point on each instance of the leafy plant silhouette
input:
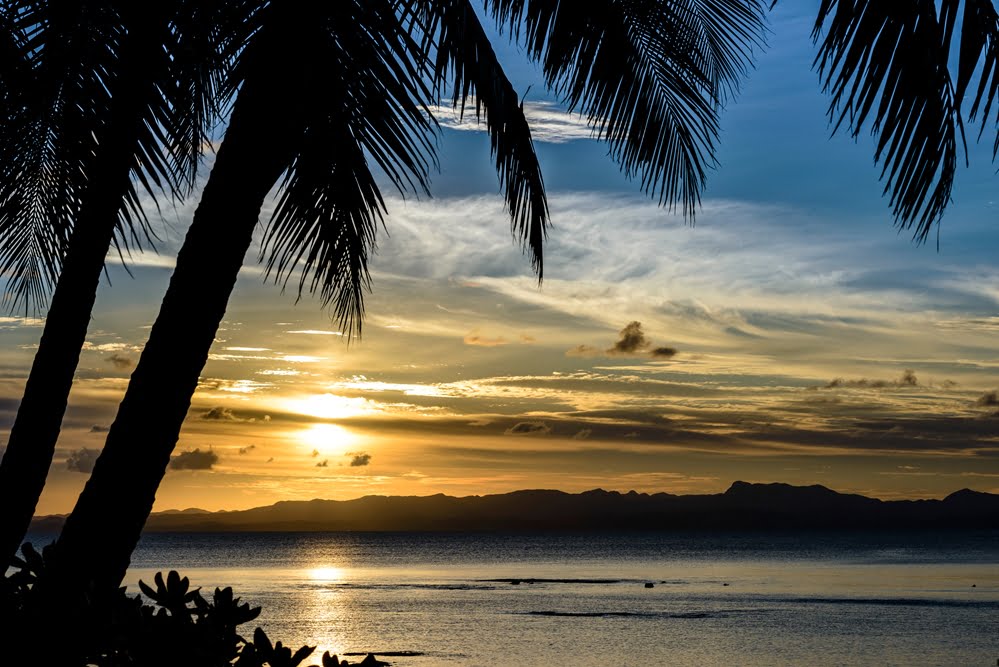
(175, 625)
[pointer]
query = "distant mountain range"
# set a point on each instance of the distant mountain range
(743, 506)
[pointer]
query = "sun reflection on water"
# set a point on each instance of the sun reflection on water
(326, 574)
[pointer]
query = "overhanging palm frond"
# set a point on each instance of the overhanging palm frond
(979, 46)
(56, 59)
(649, 76)
(195, 44)
(206, 38)
(888, 63)
(465, 60)
(91, 70)
(327, 216)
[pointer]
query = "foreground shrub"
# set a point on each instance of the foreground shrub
(177, 625)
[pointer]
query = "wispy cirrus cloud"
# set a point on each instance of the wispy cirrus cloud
(548, 122)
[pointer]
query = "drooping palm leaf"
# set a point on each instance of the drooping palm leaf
(649, 76)
(891, 64)
(466, 61)
(325, 222)
(55, 74)
(77, 54)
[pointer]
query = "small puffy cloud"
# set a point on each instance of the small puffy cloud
(583, 434)
(220, 414)
(989, 399)
(360, 459)
(315, 453)
(474, 338)
(99, 428)
(195, 459)
(529, 428)
(82, 460)
(908, 379)
(631, 342)
(323, 464)
(632, 339)
(247, 449)
(120, 361)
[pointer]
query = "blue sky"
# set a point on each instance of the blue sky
(815, 342)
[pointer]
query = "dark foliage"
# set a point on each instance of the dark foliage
(174, 625)
(905, 69)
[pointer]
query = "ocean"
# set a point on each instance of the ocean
(528, 599)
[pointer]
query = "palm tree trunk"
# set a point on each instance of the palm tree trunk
(33, 437)
(98, 538)
(32, 440)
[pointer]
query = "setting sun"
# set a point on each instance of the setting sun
(327, 439)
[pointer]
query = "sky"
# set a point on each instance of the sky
(789, 333)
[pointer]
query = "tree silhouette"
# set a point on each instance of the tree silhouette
(104, 100)
(906, 68)
(325, 90)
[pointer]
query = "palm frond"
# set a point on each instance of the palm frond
(888, 64)
(324, 226)
(46, 143)
(649, 76)
(465, 60)
(979, 56)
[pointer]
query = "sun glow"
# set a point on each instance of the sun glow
(326, 574)
(327, 439)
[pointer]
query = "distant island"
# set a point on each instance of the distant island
(743, 506)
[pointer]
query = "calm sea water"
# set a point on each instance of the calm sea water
(840, 599)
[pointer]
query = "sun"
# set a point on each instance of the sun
(327, 439)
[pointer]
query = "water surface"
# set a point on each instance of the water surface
(486, 600)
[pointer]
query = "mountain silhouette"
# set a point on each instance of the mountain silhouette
(744, 506)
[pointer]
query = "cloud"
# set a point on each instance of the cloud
(548, 122)
(475, 339)
(315, 453)
(247, 449)
(194, 460)
(989, 399)
(908, 379)
(120, 361)
(82, 460)
(360, 459)
(632, 340)
(98, 428)
(220, 414)
(583, 434)
(315, 332)
(529, 428)
(323, 464)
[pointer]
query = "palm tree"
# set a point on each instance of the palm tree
(105, 99)
(326, 88)
(905, 69)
